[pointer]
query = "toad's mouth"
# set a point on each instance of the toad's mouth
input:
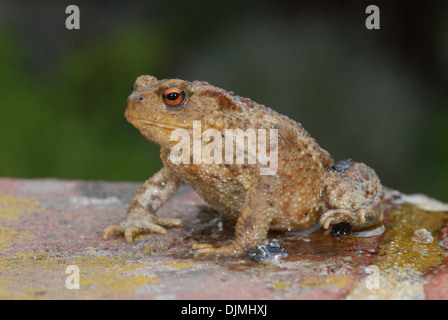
(146, 123)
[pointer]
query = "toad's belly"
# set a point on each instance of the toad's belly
(215, 184)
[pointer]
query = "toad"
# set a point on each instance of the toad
(305, 186)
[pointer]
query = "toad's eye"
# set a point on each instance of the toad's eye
(174, 97)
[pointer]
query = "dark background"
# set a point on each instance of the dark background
(377, 96)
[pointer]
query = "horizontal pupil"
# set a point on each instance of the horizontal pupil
(173, 96)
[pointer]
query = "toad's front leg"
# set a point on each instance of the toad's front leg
(141, 218)
(253, 221)
(352, 193)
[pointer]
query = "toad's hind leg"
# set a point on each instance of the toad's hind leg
(351, 193)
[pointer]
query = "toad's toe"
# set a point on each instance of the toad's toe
(133, 226)
(227, 250)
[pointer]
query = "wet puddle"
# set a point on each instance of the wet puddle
(411, 244)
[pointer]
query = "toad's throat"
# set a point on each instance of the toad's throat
(145, 123)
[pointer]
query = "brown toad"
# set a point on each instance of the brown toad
(306, 187)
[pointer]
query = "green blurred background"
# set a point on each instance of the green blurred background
(377, 96)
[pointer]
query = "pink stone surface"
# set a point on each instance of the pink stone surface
(49, 224)
(436, 287)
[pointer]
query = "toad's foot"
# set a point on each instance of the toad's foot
(135, 225)
(336, 216)
(226, 250)
(353, 194)
(151, 196)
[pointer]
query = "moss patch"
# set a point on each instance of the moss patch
(180, 265)
(398, 250)
(31, 276)
(12, 207)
